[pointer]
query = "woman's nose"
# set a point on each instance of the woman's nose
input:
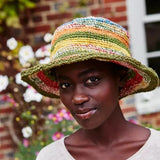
(79, 97)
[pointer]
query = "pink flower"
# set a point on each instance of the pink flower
(68, 116)
(55, 119)
(37, 153)
(25, 143)
(50, 116)
(57, 135)
(64, 114)
(133, 121)
(61, 114)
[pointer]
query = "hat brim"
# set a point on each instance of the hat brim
(145, 78)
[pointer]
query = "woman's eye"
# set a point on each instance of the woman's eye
(65, 85)
(92, 80)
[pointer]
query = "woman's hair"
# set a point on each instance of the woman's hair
(122, 72)
(119, 68)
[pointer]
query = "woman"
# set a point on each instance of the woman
(91, 69)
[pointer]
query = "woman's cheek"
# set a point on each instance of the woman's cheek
(66, 100)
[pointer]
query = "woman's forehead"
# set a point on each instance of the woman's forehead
(85, 66)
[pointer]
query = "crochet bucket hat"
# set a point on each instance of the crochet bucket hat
(91, 38)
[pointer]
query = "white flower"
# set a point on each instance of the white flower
(48, 37)
(39, 52)
(44, 61)
(27, 132)
(32, 95)
(3, 82)
(12, 43)
(48, 50)
(25, 54)
(43, 51)
(19, 81)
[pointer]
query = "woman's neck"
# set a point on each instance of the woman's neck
(110, 131)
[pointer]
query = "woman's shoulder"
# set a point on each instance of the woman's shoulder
(155, 136)
(150, 150)
(51, 150)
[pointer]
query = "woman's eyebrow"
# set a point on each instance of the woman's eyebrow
(82, 73)
(61, 77)
(85, 72)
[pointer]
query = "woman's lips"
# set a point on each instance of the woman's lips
(86, 115)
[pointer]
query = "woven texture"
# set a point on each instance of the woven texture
(91, 38)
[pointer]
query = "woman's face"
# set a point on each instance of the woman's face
(89, 90)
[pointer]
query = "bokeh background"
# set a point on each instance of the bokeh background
(28, 120)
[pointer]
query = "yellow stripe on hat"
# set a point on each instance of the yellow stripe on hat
(123, 38)
(84, 41)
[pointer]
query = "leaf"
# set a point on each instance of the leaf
(21, 6)
(2, 15)
(30, 4)
(9, 12)
(27, 4)
(2, 3)
(17, 65)
(2, 68)
(83, 3)
(13, 22)
(1, 29)
(15, 52)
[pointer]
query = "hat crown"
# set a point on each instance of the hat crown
(90, 34)
(91, 38)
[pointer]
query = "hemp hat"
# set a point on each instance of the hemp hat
(91, 38)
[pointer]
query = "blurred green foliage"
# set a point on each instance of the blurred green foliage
(10, 10)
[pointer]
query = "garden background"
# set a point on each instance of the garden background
(29, 121)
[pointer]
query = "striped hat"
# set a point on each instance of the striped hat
(91, 38)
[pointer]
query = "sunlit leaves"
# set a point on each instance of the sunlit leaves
(9, 12)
